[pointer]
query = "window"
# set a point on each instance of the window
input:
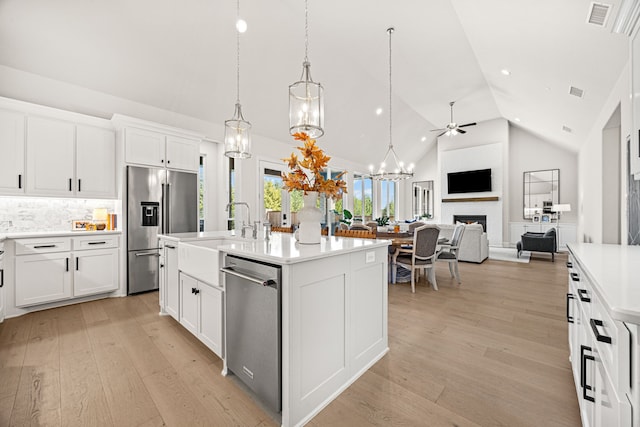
(201, 194)
(279, 205)
(231, 191)
(362, 197)
(388, 199)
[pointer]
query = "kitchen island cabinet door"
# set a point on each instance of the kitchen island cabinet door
(95, 162)
(42, 278)
(95, 272)
(172, 285)
(12, 149)
(210, 317)
(50, 157)
(189, 302)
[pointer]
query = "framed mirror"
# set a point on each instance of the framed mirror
(423, 199)
(541, 190)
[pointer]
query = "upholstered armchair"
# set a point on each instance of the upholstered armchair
(539, 242)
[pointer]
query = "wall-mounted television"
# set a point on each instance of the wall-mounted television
(477, 181)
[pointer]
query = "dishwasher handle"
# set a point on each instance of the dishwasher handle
(269, 282)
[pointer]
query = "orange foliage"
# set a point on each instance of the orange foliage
(314, 161)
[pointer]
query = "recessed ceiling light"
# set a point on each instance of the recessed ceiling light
(517, 119)
(241, 25)
(423, 139)
(378, 111)
(506, 72)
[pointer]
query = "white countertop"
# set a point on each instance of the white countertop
(282, 248)
(31, 234)
(615, 273)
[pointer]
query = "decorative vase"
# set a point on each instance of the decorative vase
(309, 231)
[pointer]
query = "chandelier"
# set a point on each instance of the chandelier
(306, 101)
(391, 168)
(237, 131)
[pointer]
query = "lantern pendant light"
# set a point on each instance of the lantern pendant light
(306, 100)
(237, 131)
(391, 169)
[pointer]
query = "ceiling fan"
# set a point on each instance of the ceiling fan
(452, 128)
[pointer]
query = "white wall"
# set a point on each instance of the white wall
(531, 153)
(590, 188)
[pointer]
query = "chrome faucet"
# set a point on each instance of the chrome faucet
(254, 227)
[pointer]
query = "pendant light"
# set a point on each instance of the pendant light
(306, 100)
(237, 131)
(391, 169)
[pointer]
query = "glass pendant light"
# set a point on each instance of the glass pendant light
(306, 101)
(237, 131)
(391, 168)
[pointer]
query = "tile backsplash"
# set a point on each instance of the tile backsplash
(20, 214)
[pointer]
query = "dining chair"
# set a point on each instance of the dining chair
(422, 256)
(415, 225)
(450, 252)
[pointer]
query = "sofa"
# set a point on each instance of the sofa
(474, 246)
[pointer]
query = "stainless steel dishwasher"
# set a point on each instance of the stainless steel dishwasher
(253, 339)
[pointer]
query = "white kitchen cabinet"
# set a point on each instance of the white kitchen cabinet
(635, 86)
(201, 311)
(151, 148)
(95, 272)
(172, 286)
(144, 147)
(12, 152)
(42, 278)
(68, 160)
(3, 304)
(95, 162)
(50, 157)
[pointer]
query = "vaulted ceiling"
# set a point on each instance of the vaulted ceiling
(180, 56)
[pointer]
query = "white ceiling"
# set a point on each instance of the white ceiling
(180, 56)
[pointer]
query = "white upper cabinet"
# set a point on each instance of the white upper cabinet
(12, 152)
(95, 162)
(635, 90)
(69, 160)
(182, 153)
(50, 157)
(144, 147)
(156, 145)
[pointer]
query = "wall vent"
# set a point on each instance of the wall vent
(576, 92)
(567, 129)
(598, 13)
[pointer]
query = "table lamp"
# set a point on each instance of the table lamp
(560, 208)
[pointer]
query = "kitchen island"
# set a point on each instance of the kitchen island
(333, 308)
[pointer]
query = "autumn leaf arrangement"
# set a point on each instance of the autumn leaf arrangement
(306, 173)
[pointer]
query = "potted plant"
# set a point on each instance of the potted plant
(383, 222)
(347, 216)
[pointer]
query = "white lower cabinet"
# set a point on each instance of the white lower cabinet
(201, 311)
(42, 278)
(58, 268)
(171, 291)
(96, 272)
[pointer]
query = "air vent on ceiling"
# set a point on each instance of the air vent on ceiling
(598, 14)
(576, 92)
(567, 129)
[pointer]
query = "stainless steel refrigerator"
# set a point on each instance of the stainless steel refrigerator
(158, 202)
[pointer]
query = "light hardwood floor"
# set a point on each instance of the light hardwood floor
(492, 351)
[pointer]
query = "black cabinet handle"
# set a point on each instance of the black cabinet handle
(19, 180)
(70, 184)
(168, 161)
(169, 246)
(43, 246)
(575, 277)
(197, 291)
(583, 372)
(79, 185)
(97, 243)
(570, 318)
(594, 327)
(1, 277)
(193, 290)
(569, 264)
(162, 161)
(77, 263)
(67, 262)
(582, 294)
(161, 265)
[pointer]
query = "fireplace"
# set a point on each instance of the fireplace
(468, 219)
